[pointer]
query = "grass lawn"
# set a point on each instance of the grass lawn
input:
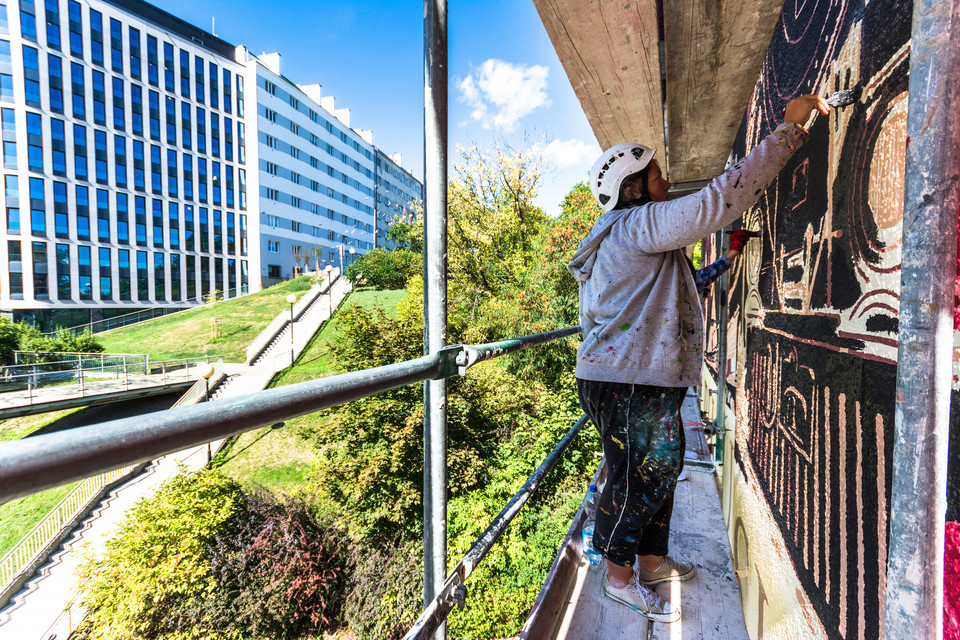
(21, 515)
(16, 428)
(189, 333)
(276, 457)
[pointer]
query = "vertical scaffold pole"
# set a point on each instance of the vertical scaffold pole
(914, 593)
(435, 298)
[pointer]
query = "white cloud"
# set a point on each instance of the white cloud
(501, 93)
(568, 154)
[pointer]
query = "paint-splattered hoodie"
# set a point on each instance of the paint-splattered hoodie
(639, 310)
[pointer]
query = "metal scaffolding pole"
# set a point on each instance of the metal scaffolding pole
(435, 298)
(914, 594)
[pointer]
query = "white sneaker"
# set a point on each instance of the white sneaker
(644, 601)
(670, 570)
(682, 476)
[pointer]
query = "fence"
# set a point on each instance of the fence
(40, 462)
(20, 558)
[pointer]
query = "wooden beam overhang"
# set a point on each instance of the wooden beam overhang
(687, 97)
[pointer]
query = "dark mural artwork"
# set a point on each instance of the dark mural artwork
(813, 305)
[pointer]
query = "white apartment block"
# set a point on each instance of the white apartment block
(323, 185)
(398, 194)
(147, 163)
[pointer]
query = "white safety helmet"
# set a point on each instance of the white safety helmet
(616, 164)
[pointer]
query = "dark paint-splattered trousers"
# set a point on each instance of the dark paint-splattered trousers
(643, 444)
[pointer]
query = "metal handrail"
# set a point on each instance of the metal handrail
(454, 591)
(53, 459)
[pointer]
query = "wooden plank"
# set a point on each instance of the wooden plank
(714, 52)
(610, 52)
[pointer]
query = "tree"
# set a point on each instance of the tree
(407, 230)
(384, 269)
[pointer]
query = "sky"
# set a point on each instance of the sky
(505, 82)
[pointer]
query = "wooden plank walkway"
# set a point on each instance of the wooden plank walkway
(710, 603)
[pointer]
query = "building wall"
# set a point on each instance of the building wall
(812, 337)
(141, 224)
(316, 178)
(399, 195)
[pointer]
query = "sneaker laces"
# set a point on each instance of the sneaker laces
(650, 597)
(670, 562)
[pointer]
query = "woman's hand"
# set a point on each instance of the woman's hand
(799, 109)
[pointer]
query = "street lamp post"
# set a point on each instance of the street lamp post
(291, 299)
(206, 372)
(329, 270)
(341, 258)
(352, 251)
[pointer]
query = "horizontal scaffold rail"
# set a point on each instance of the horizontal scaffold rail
(50, 460)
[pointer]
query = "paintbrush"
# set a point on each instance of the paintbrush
(846, 97)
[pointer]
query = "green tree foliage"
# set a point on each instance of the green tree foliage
(407, 231)
(9, 339)
(386, 597)
(384, 269)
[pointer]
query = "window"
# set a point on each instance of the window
(174, 219)
(136, 109)
(63, 272)
(61, 217)
(204, 237)
(214, 90)
(40, 289)
(188, 236)
(158, 224)
(35, 142)
(295, 128)
(270, 87)
(77, 91)
(201, 130)
(271, 142)
(188, 176)
(9, 154)
(295, 226)
(273, 271)
(119, 120)
(215, 178)
(202, 181)
(240, 143)
(184, 73)
(31, 76)
(134, 43)
(172, 173)
(123, 219)
(186, 135)
(214, 134)
(270, 115)
(228, 138)
(156, 178)
(271, 168)
(116, 45)
(139, 182)
(171, 120)
(58, 148)
(273, 194)
(83, 213)
(76, 29)
(226, 91)
(152, 61)
(143, 281)
(53, 23)
(273, 221)
(168, 82)
(273, 246)
(103, 215)
(96, 37)
(55, 74)
(106, 278)
(159, 277)
(100, 155)
(120, 160)
(140, 220)
(123, 271)
(28, 21)
(6, 69)
(198, 76)
(99, 99)
(38, 214)
(154, 115)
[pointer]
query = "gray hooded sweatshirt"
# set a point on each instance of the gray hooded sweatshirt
(639, 311)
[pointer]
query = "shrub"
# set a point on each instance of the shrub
(386, 597)
(157, 563)
(279, 570)
(384, 269)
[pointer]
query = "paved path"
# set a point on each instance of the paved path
(45, 608)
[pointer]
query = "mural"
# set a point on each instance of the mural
(812, 332)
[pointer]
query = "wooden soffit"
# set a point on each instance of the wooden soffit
(712, 54)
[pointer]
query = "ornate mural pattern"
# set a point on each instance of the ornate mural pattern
(813, 305)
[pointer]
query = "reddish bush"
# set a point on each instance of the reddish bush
(951, 582)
